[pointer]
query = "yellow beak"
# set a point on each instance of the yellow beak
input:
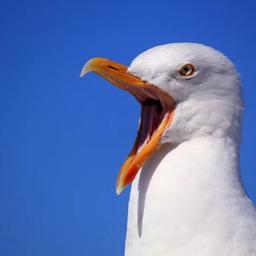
(156, 114)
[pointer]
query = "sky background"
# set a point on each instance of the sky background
(63, 139)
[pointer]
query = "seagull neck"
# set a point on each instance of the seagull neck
(180, 188)
(206, 159)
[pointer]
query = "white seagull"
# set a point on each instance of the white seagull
(187, 198)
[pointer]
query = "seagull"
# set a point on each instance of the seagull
(187, 197)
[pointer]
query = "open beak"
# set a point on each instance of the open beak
(157, 108)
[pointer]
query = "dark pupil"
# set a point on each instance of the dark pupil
(186, 69)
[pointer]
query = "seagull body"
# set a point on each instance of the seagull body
(186, 197)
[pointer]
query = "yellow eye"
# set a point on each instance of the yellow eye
(187, 70)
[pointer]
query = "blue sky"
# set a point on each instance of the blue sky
(63, 139)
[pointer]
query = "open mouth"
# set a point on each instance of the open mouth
(157, 108)
(151, 116)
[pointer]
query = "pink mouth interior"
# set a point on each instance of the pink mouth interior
(151, 116)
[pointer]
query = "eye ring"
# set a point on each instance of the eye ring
(187, 70)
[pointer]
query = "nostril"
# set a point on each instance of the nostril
(113, 67)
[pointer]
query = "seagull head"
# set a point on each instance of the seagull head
(185, 90)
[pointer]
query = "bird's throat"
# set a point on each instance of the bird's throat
(180, 193)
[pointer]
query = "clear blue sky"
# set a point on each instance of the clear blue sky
(63, 139)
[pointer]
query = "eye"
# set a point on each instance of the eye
(187, 70)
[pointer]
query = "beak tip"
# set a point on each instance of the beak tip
(119, 189)
(84, 70)
(88, 67)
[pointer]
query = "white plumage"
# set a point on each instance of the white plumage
(188, 198)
